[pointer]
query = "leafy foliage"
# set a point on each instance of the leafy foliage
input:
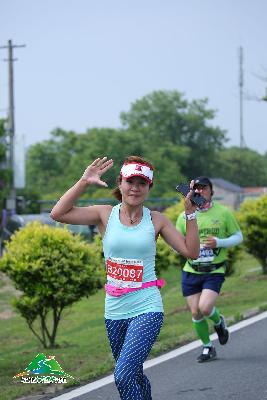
(53, 269)
(245, 167)
(253, 220)
(176, 135)
(234, 254)
(174, 211)
(166, 117)
(166, 256)
(162, 127)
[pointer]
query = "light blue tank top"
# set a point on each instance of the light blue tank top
(132, 242)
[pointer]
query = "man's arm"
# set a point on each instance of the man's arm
(232, 240)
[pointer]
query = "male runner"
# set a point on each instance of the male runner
(202, 278)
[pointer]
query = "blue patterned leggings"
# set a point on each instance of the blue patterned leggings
(131, 341)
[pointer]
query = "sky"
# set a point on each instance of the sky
(86, 61)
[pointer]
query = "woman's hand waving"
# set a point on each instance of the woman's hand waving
(92, 174)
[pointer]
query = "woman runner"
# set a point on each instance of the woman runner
(133, 305)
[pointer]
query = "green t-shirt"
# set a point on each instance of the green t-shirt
(216, 221)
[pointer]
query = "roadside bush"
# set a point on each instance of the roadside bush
(253, 220)
(174, 211)
(166, 256)
(233, 255)
(53, 269)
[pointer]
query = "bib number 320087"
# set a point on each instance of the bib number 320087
(124, 273)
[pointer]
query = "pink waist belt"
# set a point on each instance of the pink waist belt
(116, 292)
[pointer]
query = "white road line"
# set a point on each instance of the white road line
(158, 360)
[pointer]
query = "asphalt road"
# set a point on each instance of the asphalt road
(240, 371)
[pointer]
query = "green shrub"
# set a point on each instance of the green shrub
(253, 220)
(165, 257)
(234, 254)
(174, 211)
(53, 269)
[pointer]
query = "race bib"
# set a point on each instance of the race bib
(205, 255)
(124, 273)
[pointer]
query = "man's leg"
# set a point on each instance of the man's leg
(219, 325)
(201, 325)
(210, 292)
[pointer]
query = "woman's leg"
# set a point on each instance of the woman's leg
(141, 334)
(116, 330)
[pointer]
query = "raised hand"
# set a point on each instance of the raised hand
(189, 206)
(94, 171)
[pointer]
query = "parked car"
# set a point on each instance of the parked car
(16, 221)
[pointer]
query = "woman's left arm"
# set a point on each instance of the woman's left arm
(187, 245)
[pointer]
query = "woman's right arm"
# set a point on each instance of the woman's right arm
(65, 211)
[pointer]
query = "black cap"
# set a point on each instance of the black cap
(203, 180)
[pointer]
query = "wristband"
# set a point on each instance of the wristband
(190, 217)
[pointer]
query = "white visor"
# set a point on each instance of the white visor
(135, 169)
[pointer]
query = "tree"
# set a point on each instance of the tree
(253, 220)
(53, 269)
(47, 162)
(176, 135)
(166, 117)
(54, 165)
(244, 166)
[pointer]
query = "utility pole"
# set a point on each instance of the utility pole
(11, 201)
(241, 97)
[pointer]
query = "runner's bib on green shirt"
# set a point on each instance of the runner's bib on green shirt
(216, 221)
